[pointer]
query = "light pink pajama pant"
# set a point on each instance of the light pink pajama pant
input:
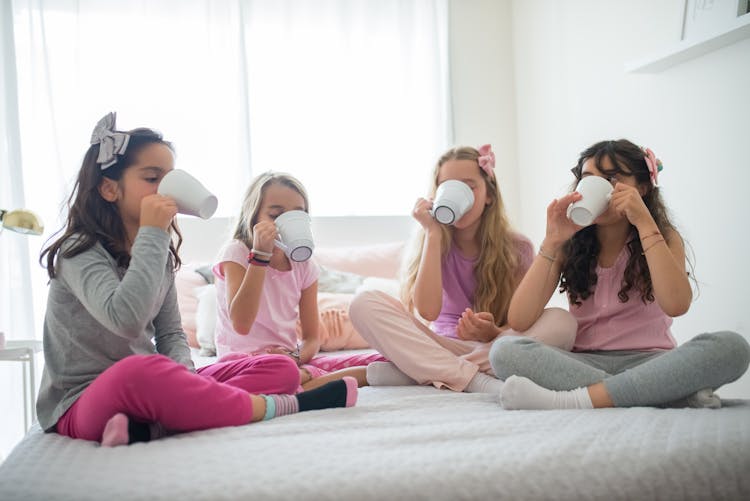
(430, 358)
(156, 389)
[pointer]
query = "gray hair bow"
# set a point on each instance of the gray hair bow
(110, 143)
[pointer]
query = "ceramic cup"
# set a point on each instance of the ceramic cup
(596, 192)
(191, 196)
(295, 235)
(453, 199)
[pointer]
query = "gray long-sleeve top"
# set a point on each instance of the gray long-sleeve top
(98, 314)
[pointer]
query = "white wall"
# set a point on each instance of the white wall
(572, 90)
(483, 87)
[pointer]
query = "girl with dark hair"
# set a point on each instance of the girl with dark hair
(117, 363)
(625, 278)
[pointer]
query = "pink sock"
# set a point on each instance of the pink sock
(116, 431)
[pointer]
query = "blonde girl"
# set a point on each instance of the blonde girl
(263, 295)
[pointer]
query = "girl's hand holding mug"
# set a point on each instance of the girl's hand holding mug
(158, 210)
(264, 233)
(627, 201)
(559, 227)
(423, 215)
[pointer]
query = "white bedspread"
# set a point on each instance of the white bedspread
(409, 443)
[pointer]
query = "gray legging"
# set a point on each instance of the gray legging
(632, 378)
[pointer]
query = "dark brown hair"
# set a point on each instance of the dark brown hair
(578, 274)
(92, 219)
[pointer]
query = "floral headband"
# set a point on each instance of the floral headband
(654, 166)
(487, 159)
(111, 143)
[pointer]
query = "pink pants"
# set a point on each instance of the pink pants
(156, 389)
(321, 364)
(428, 357)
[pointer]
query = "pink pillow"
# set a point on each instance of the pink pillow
(379, 260)
(186, 280)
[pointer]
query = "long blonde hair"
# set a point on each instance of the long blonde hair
(496, 270)
(254, 198)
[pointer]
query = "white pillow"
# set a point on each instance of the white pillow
(387, 285)
(205, 319)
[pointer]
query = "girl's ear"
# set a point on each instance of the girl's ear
(109, 189)
(643, 189)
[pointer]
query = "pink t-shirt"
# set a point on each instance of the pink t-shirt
(276, 322)
(459, 284)
(606, 323)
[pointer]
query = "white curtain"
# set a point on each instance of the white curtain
(15, 259)
(350, 96)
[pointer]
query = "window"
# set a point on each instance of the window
(351, 97)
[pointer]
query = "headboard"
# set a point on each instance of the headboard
(203, 238)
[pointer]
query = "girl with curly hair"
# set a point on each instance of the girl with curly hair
(625, 277)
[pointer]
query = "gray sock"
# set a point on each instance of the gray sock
(387, 374)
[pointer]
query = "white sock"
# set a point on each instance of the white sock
(522, 393)
(704, 399)
(483, 383)
(387, 374)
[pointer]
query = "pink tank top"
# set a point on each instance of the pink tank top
(606, 323)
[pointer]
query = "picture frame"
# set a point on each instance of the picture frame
(706, 18)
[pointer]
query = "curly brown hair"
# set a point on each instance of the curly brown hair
(578, 274)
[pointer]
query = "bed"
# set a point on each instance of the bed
(403, 443)
(408, 443)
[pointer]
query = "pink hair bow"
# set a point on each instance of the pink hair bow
(487, 159)
(654, 166)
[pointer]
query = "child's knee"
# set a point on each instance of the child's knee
(286, 371)
(138, 371)
(364, 305)
(557, 327)
(506, 354)
(733, 349)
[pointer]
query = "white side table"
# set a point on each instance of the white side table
(25, 351)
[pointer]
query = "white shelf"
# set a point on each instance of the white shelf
(689, 49)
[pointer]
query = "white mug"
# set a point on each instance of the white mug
(453, 199)
(191, 196)
(596, 192)
(295, 235)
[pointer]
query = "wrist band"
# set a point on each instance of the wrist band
(270, 408)
(261, 253)
(253, 259)
(549, 258)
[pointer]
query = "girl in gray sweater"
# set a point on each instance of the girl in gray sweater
(117, 363)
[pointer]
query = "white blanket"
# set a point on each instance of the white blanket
(409, 443)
